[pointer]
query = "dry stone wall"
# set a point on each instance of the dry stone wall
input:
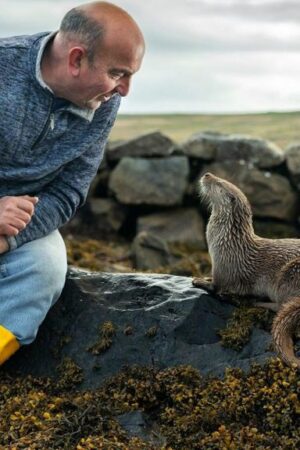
(147, 189)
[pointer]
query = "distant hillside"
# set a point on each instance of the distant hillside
(282, 128)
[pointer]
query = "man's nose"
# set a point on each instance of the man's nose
(123, 87)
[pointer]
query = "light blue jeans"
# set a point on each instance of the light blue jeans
(31, 280)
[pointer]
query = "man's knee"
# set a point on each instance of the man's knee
(41, 264)
(51, 261)
(34, 278)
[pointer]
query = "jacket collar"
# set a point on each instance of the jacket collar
(36, 58)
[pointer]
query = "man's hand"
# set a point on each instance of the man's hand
(15, 214)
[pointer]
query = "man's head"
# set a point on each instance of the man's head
(98, 48)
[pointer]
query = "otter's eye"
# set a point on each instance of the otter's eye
(231, 198)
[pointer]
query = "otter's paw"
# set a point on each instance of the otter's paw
(204, 283)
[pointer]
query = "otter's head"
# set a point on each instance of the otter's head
(223, 195)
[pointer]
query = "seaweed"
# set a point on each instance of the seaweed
(107, 331)
(240, 325)
(259, 410)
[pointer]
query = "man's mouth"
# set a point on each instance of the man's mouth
(106, 97)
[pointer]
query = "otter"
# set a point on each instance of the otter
(249, 265)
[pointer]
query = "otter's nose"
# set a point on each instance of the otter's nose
(207, 177)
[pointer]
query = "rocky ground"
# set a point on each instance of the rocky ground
(86, 393)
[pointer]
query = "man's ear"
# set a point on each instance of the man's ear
(76, 55)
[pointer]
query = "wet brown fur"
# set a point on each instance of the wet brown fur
(246, 264)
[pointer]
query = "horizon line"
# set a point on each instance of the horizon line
(235, 113)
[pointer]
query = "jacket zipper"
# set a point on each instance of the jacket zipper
(48, 125)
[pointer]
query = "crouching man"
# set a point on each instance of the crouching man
(59, 96)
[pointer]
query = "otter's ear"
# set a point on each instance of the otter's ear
(231, 197)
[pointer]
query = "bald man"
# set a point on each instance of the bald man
(60, 93)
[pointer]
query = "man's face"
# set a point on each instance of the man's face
(109, 74)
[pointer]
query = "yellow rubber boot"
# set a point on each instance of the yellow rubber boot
(8, 344)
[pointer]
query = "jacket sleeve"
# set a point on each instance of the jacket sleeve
(60, 199)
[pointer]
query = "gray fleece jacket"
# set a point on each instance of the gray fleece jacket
(48, 148)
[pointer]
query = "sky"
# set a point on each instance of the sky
(202, 56)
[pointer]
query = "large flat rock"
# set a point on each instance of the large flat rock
(146, 145)
(152, 181)
(233, 147)
(160, 320)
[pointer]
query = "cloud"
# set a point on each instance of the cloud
(202, 55)
(180, 26)
(217, 83)
(258, 10)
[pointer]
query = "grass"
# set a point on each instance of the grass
(281, 128)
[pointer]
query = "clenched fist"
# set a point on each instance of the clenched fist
(15, 213)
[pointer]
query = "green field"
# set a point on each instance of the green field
(281, 128)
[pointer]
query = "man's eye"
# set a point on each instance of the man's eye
(117, 76)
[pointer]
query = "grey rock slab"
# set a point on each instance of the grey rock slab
(293, 163)
(108, 215)
(271, 229)
(155, 181)
(186, 321)
(180, 226)
(137, 423)
(202, 145)
(293, 158)
(146, 145)
(150, 251)
(270, 194)
(221, 147)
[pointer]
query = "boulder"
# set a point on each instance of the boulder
(234, 147)
(202, 145)
(155, 181)
(293, 163)
(150, 252)
(182, 226)
(146, 145)
(270, 195)
(106, 321)
(272, 229)
(107, 214)
(137, 423)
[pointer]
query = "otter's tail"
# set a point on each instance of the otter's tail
(284, 326)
